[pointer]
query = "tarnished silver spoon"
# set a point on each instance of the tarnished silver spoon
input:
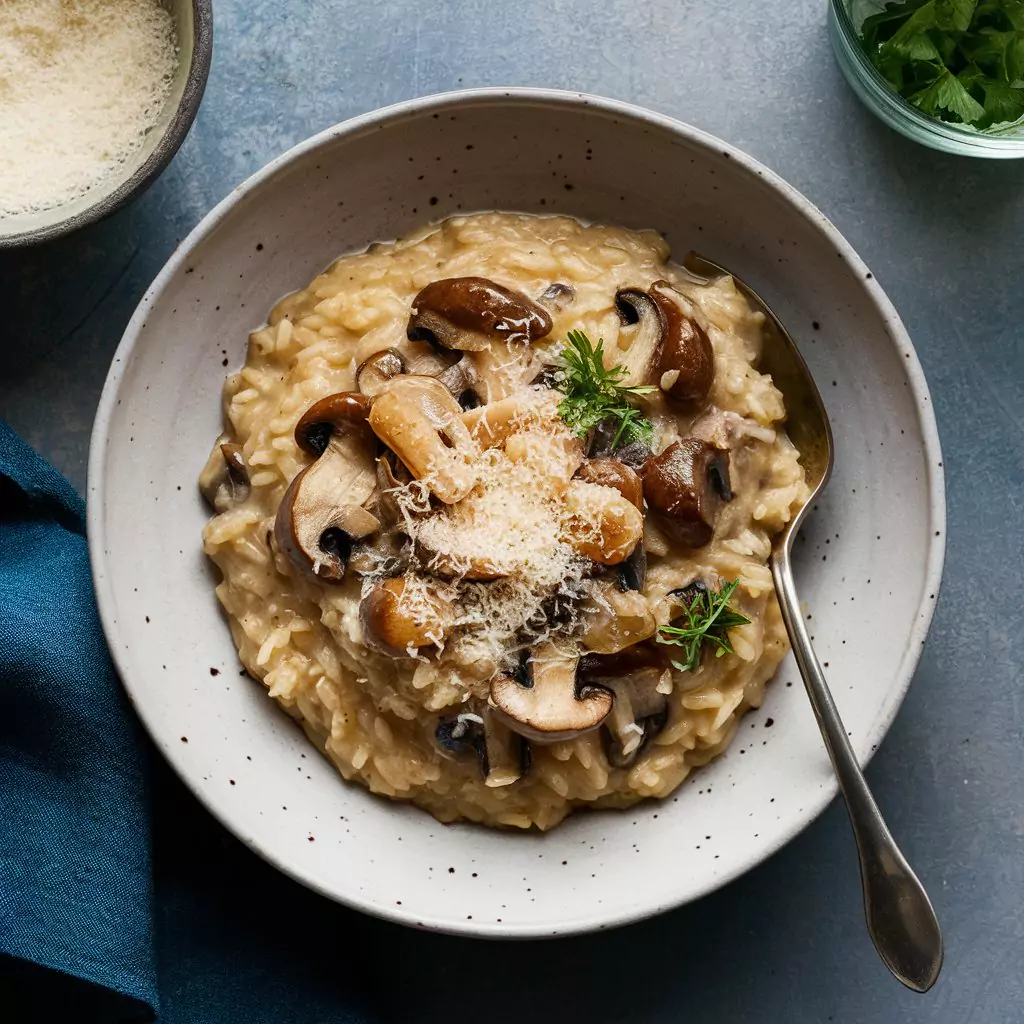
(900, 917)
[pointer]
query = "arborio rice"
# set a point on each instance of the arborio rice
(422, 616)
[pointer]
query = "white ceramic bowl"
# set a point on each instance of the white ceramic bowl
(869, 570)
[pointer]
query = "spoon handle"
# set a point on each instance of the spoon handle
(900, 917)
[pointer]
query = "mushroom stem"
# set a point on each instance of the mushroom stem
(322, 512)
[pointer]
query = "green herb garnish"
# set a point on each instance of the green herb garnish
(594, 394)
(709, 620)
(958, 60)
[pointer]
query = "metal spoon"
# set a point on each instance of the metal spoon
(900, 917)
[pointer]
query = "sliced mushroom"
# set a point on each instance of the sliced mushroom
(455, 370)
(612, 473)
(557, 297)
(640, 683)
(422, 359)
(687, 484)
(402, 615)
(502, 370)
(468, 313)
(322, 513)
(224, 482)
(614, 620)
(503, 756)
(668, 346)
(547, 705)
(374, 373)
(600, 523)
(639, 311)
(418, 419)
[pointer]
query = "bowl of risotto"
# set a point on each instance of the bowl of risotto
(431, 501)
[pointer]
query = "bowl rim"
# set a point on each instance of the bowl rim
(897, 112)
(150, 169)
(445, 102)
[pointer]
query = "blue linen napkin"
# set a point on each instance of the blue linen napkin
(74, 833)
(85, 934)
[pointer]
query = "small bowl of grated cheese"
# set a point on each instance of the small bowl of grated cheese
(97, 96)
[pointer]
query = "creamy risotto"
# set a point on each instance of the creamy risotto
(493, 507)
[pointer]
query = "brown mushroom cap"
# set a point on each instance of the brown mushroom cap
(375, 372)
(667, 346)
(403, 614)
(342, 413)
(686, 360)
(467, 313)
(612, 473)
(687, 484)
(551, 706)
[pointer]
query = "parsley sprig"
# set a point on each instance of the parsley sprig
(959, 60)
(709, 619)
(594, 394)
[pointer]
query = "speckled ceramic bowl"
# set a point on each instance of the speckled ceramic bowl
(193, 26)
(869, 570)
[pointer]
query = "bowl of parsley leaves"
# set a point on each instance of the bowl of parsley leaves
(947, 73)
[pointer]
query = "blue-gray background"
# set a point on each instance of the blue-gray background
(943, 235)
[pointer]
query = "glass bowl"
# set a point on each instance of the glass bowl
(879, 97)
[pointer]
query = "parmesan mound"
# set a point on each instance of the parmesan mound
(508, 526)
(514, 574)
(81, 84)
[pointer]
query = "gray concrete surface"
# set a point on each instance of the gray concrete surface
(943, 234)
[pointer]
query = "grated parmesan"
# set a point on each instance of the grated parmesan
(82, 82)
(510, 547)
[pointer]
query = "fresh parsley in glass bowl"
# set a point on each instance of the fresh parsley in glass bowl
(946, 73)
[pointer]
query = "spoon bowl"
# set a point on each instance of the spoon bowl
(900, 916)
